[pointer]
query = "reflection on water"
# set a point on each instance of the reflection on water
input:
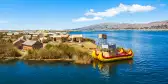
(109, 68)
(105, 69)
(149, 65)
(46, 63)
(8, 62)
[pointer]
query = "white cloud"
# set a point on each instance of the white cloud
(114, 11)
(82, 19)
(162, 5)
(121, 8)
(3, 22)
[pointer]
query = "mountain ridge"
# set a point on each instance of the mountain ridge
(115, 26)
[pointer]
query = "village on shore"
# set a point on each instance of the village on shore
(46, 45)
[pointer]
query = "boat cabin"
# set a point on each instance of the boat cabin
(109, 50)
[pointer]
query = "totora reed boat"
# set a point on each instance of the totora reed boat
(121, 54)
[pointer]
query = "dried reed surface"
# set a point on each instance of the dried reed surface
(7, 50)
(61, 51)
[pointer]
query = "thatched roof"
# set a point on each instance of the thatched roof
(19, 40)
(56, 36)
(30, 42)
(76, 36)
(60, 36)
(9, 33)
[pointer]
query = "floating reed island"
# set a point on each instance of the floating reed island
(75, 52)
(46, 46)
(59, 46)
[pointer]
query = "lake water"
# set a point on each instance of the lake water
(149, 65)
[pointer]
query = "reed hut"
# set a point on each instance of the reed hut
(43, 39)
(60, 38)
(9, 34)
(76, 38)
(16, 33)
(30, 44)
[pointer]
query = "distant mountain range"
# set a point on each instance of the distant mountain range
(158, 25)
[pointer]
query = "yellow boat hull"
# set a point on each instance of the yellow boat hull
(94, 55)
(103, 59)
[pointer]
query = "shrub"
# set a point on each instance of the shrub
(48, 46)
(90, 40)
(60, 51)
(8, 50)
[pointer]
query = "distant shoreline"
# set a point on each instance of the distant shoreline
(77, 30)
(123, 29)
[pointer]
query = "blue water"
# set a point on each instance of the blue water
(149, 65)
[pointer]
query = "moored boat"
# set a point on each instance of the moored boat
(122, 54)
(109, 52)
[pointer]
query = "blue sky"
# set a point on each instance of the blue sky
(68, 14)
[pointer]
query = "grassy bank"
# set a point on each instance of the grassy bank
(78, 53)
(57, 52)
(7, 50)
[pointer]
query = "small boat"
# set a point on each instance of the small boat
(122, 54)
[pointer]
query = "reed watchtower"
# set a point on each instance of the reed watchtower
(102, 39)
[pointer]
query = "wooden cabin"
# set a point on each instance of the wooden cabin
(30, 44)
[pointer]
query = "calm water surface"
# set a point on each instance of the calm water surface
(149, 66)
